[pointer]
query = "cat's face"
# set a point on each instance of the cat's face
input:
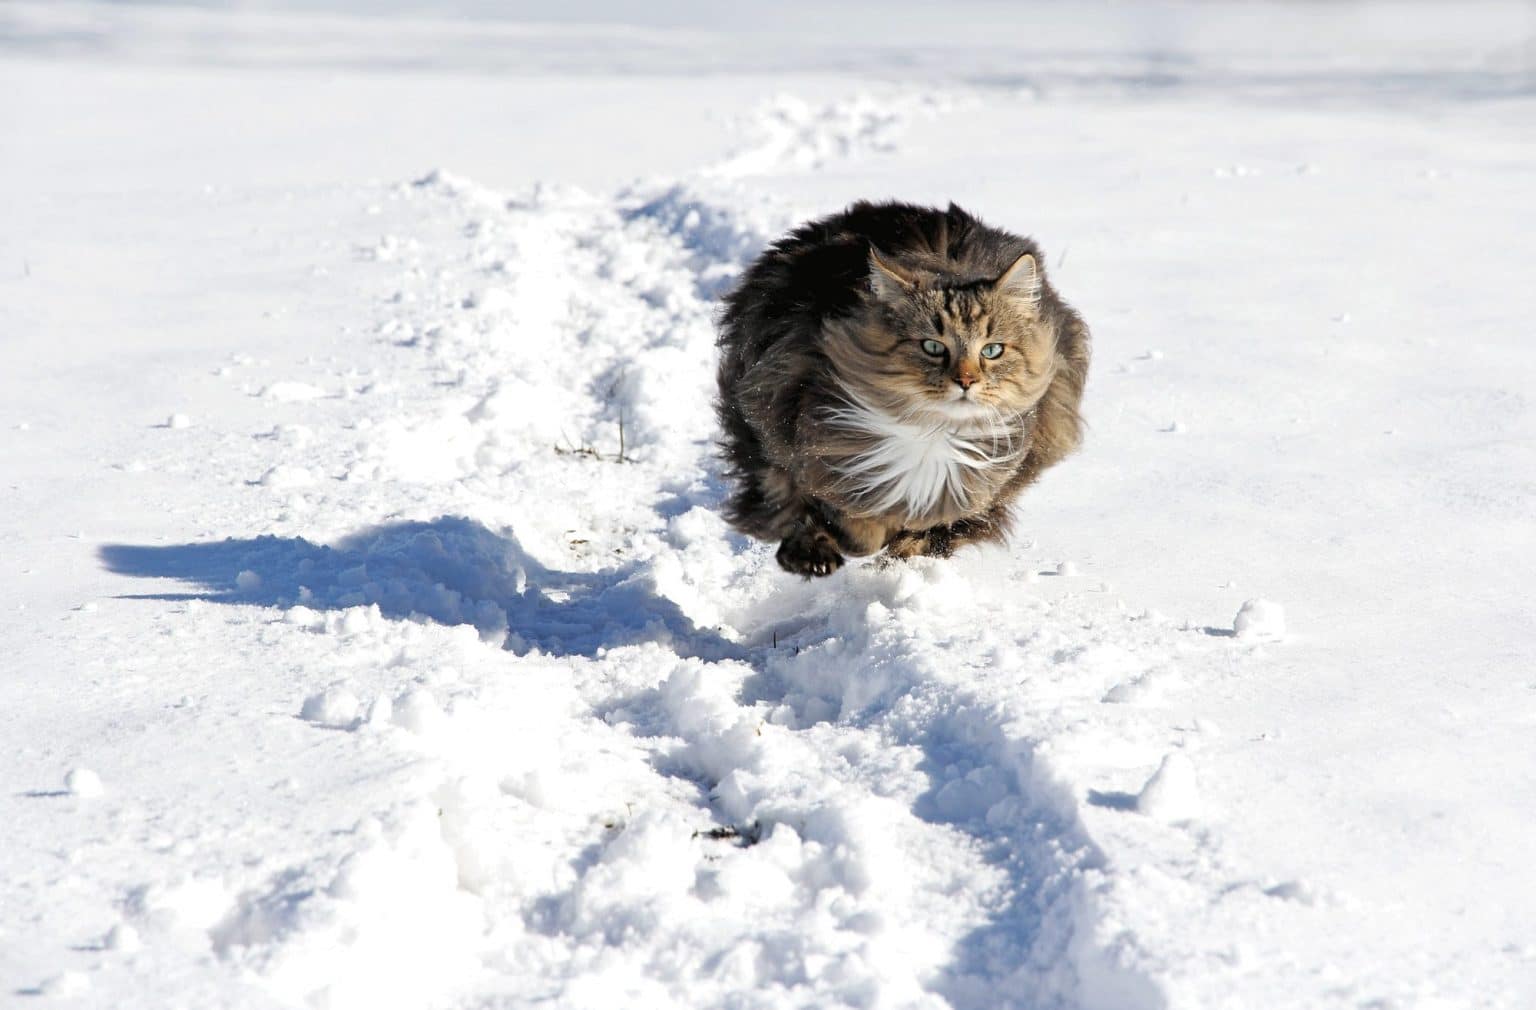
(958, 352)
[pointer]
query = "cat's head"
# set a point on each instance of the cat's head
(961, 349)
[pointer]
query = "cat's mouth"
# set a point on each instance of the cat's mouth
(956, 393)
(961, 407)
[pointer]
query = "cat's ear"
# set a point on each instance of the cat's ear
(889, 282)
(1021, 280)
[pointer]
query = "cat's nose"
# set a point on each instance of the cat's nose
(964, 380)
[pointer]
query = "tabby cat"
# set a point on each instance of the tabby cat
(891, 377)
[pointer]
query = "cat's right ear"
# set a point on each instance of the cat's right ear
(1021, 280)
(888, 282)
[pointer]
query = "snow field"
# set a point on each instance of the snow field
(655, 771)
(450, 689)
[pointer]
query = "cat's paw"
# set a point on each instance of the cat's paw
(809, 554)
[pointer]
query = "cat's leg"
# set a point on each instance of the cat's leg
(907, 544)
(943, 541)
(824, 535)
(855, 535)
(763, 501)
(766, 504)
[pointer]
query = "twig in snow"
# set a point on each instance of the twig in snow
(746, 836)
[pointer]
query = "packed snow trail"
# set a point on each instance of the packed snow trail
(686, 779)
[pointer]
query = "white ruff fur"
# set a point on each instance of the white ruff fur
(916, 461)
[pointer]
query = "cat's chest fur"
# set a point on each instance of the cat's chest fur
(923, 469)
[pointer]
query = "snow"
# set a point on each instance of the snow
(1259, 619)
(66, 986)
(1172, 793)
(336, 707)
(84, 783)
(287, 475)
(122, 937)
(421, 671)
(292, 392)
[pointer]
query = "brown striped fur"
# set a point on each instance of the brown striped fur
(826, 331)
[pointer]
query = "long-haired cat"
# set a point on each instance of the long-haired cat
(891, 377)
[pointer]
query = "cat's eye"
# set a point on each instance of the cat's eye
(992, 351)
(933, 348)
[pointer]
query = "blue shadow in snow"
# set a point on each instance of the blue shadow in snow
(450, 571)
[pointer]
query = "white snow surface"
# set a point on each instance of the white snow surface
(422, 672)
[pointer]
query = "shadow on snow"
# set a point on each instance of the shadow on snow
(450, 570)
(455, 571)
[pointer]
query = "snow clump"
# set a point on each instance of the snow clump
(84, 783)
(1259, 620)
(336, 707)
(1172, 794)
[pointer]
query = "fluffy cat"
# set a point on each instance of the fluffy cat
(891, 378)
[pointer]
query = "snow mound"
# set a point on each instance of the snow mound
(385, 927)
(84, 783)
(1260, 620)
(336, 707)
(122, 937)
(1172, 794)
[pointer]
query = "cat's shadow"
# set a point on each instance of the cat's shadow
(449, 571)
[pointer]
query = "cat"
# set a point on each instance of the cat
(891, 377)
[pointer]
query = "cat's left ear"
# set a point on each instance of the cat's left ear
(887, 281)
(1021, 280)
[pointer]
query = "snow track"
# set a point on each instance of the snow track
(621, 759)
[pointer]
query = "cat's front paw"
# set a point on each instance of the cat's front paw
(809, 554)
